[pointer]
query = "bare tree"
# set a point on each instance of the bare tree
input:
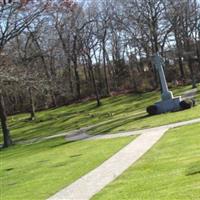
(13, 21)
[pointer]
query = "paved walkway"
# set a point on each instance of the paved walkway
(88, 185)
(85, 136)
(74, 135)
(189, 94)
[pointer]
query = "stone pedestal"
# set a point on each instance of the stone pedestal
(167, 95)
(168, 105)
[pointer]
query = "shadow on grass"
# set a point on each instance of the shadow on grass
(9, 169)
(20, 150)
(107, 127)
(61, 144)
(142, 117)
(194, 169)
(75, 116)
(60, 164)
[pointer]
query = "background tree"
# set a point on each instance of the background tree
(12, 22)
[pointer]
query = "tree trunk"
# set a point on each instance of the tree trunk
(77, 83)
(198, 53)
(6, 133)
(104, 65)
(94, 83)
(179, 48)
(182, 73)
(78, 87)
(70, 77)
(189, 58)
(32, 105)
(47, 71)
(192, 74)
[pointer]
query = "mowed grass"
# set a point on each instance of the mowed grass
(117, 113)
(37, 171)
(171, 170)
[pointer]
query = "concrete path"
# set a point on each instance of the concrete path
(189, 94)
(88, 185)
(85, 136)
(78, 134)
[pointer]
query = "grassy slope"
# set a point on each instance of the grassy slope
(34, 172)
(38, 170)
(171, 170)
(116, 114)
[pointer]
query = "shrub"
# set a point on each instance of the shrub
(187, 104)
(152, 110)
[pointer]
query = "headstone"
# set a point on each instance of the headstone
(168, 101)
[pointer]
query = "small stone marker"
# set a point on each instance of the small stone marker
(168, 102)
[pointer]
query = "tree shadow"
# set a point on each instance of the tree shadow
(142, 117)
(61, 144)
(74, 156)
(109, 126)
(194, 169)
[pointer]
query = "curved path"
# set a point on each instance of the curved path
(189, 94)
(88, 185)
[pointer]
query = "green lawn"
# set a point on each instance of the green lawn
(171, 170)
(36, 171)
(118, 113)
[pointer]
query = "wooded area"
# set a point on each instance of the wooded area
(53, 53)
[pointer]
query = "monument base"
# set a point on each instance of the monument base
(168, 105)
